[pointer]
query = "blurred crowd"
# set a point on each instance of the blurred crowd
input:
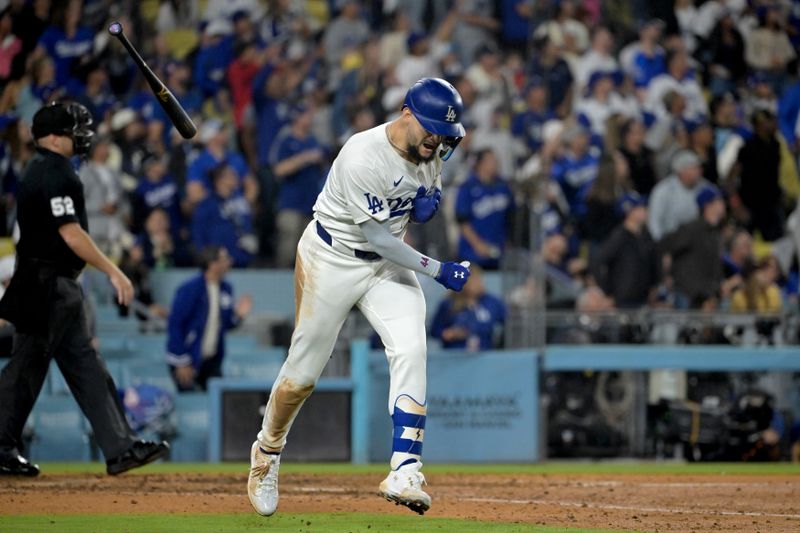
(652, 145)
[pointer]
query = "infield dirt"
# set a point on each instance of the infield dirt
(675, 503)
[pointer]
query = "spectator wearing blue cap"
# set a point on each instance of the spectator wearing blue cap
(298, 162)
(695, 252)
(484, 205)
(627, 265)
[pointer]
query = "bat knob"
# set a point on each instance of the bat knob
(115, 28)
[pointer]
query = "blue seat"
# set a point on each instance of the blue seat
(191, 421)
(259, 363)
(148, 371)
(60, 430)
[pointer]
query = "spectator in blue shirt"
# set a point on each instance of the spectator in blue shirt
(297, 161)
(528, 125)
(548, 64)
(484, 205)
(224, 218)
(214, 135)
(157, 247)
(517, 19)
(576, 170)
(273, 86)
(67, 43)
(156, 189)
(213, 58)
(97, 96)
(471, 319)
(202, 312)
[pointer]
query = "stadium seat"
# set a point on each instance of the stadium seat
(190, 420)
(60, 431)
(260, 363)
(152, 372)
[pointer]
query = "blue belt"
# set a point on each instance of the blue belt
(361, 254)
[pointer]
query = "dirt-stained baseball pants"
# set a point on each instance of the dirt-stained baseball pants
(329, 281)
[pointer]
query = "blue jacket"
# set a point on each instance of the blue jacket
(187, 321)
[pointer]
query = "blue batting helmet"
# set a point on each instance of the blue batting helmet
(437, 106)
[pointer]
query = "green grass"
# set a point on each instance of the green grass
(280, 523)
(550, 467)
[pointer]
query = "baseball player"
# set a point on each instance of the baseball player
(352, 254)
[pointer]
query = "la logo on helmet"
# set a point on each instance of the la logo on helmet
(451, 114)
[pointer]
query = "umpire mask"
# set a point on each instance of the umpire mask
(70, 119)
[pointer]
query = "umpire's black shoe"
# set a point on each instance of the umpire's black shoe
(139, 454)
(17, 466)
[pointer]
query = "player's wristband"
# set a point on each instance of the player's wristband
(430, 266)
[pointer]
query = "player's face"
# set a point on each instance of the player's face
(422, 144)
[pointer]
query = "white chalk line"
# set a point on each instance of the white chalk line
(336, 490)
(614, 507)
(731, 484)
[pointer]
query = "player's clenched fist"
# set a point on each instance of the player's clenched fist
(454, 275)
(424, 205)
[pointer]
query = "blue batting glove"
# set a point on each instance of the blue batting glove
(453, 275)
(424, 205)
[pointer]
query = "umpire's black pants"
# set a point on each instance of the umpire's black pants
(69, 343)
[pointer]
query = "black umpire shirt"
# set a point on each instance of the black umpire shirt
(50, 195)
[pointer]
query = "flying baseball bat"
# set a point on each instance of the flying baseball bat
(176, 113)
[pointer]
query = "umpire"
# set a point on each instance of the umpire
(45, 302)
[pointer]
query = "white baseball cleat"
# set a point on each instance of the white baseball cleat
(404, 487)
(262, 485)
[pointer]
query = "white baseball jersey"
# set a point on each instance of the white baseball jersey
(369, 179)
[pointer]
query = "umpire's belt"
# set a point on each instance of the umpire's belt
(361, 254)
(45, 268)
